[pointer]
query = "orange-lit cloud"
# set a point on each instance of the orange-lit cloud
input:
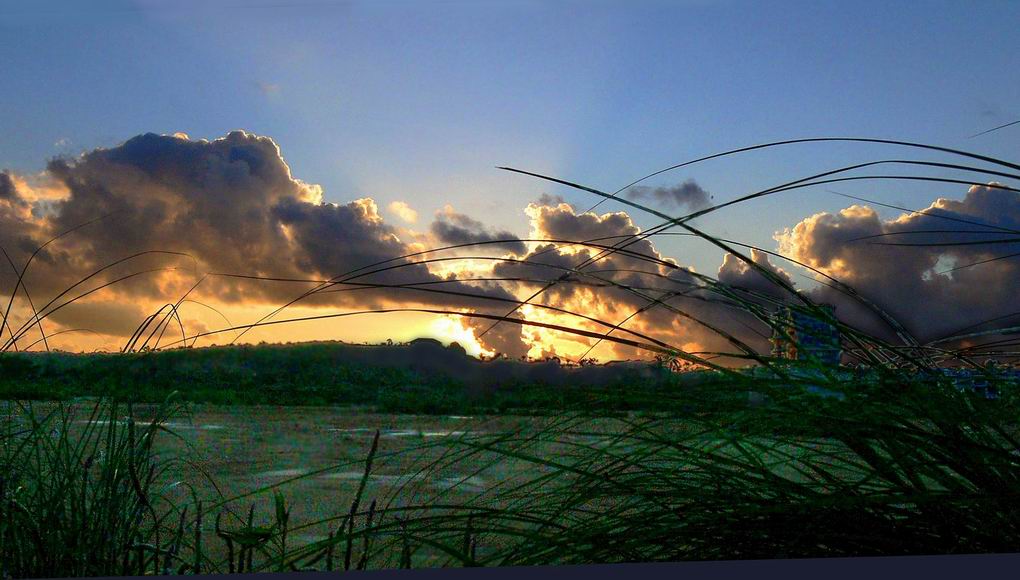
(403, 211)
(226, 206)
(239, 235)
(231, 206)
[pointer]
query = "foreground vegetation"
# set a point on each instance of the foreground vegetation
(920, 469)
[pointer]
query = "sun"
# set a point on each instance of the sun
(449, 329)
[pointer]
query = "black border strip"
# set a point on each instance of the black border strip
(864, 568)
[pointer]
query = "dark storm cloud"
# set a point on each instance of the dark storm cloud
(452, 228)
(688, 195)
(913, 283)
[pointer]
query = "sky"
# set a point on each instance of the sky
(414, 104)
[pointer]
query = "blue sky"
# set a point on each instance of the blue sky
(418, 101)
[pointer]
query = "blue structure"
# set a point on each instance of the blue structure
(802, 337)
(810, 338)
(978, 381)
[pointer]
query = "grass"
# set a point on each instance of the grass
(925, 469)
(85, 505)
(903, 462)
(928, 470)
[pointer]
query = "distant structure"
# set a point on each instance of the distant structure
(810, 338)
(985, 381)
(801, 336)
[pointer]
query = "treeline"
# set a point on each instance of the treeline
(423, 377)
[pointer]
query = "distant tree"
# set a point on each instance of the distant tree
(672, 363)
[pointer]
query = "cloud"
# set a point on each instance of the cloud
(403, 211)
(7, 190)
(615, 287)
(912, 283)
(113, 318)
(13, 207)
(552, 200)
(452, 228)
(232, 205)
(562, 223)
(687, 194)
(739, 274)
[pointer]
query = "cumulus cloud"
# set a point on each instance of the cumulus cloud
(403, 211)
(615, 287)
(687, 195)
(452, 228)
(912, 283)
(231, 204)
(739, 274)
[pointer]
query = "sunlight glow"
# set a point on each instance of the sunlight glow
(449, 329)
